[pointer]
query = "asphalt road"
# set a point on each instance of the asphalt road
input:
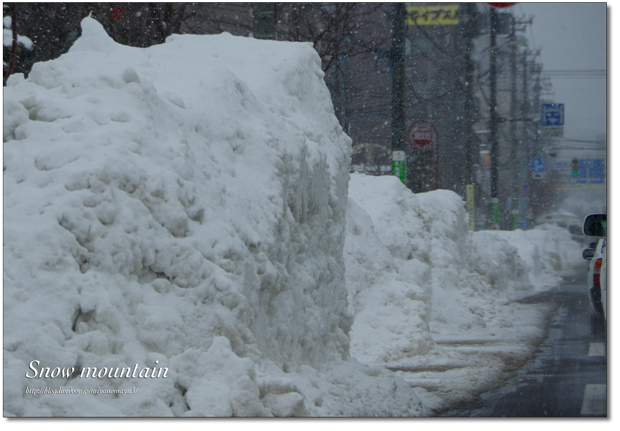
(568, 375)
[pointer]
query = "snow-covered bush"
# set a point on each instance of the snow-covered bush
(24, 45)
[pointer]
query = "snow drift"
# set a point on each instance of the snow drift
(181, 207)
(416, 275)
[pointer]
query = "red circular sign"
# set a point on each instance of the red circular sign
(501, 5)
(422, 135)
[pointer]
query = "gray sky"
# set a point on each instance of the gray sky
(573, 36)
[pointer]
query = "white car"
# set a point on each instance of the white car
(597, 312)
(596, 225)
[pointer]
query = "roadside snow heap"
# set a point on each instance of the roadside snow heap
(411, 258)
(174, 232)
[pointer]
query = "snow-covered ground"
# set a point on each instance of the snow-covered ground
(188, 208)
(436, 303)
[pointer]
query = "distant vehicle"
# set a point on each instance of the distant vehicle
(568, 221)
(596, 225)
(597, 314)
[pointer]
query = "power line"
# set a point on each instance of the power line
(586, 142)
(575, 74)
(578, 71)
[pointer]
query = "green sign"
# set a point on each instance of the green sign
(399, 165)
(516, 218)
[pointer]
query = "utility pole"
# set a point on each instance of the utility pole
(519, 141)
(516, 167)
(343, 75)
(399, 14)
(537, 192)
(264, 22)
(494, 120)
(469, 31)
(343, 78)
(524, 154)
(341, 84)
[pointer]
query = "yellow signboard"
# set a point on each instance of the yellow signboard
(444, 14)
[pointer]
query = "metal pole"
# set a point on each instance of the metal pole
(436, 158)
(468, 108)
(525, 152)
(399, 14)
(515, 186)
(346, 124)
(437, 164)
(494, 123)
(537, 204)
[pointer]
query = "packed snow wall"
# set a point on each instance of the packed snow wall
(422, 250)
(415, 273)
(179, 207)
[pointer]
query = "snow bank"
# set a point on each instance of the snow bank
(416, 275)
(391, 318)
(180, 208)
(546, 253)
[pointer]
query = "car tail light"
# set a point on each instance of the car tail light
(596, 274)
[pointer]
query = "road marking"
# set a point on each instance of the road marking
(594, 401)
(597, 349)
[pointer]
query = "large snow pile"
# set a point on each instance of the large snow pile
(417, 278)
(179, 208)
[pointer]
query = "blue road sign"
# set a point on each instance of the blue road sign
(596, 176)
(592, 171)
(552, 114)
(592, 163)
(538, 165)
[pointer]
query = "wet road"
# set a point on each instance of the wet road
(568, 375)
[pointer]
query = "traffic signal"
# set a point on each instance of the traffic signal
(575, 169)
(574, 176)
